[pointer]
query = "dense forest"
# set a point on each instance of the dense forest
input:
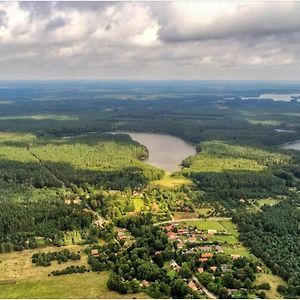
(274, 235)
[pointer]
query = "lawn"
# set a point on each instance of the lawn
(237, 249)
(88, 285)
(225, 239)
(230, 227)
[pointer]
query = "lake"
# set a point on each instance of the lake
(292, 145)
(276, 97)
(165, 151)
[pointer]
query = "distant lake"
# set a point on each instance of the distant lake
(276, 97)
(165, 151)
(292, 145)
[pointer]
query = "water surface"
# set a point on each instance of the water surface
(277, 97)
(292, 145)
(165, 151)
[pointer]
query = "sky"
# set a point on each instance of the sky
(150, 40)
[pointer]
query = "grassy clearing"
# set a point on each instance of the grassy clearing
(203, 211)
(18, 266)
(88, 285)
(178, 215)
(168, 182)
(274, 281)
(267, 201)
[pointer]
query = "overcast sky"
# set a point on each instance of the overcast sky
(150, 40)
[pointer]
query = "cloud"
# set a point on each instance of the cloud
(154, 40)
(200, 21)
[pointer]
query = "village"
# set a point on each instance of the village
(205, 255)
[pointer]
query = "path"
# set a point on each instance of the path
(44, 165)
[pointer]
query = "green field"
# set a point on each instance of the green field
(230, 227)
(33, 281)
(205, 224)
(88, 285)
(274, 281)
(168, 182)
(225, 239)
(237, 249)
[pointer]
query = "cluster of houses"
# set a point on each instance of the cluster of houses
(191, 235)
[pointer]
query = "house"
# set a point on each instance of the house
(67, 201)
(205, 248)
(77, 201)
(169, 228)
(180, 244)
(120, 233)
(135, 193)
(219, 249)
(190, 251)
(231, 291)
(207, 255)
(258, 269)
(211, 231)
(157, 252)
(177, 268)
(172, 235)
(98, 223)
(203, 259)
(204, 237)
(192, 286)
(173, 263)
(225, 268)
(144, 284)
(192, 239)
(200, 270)
(214, 268)
(235, 256)
(95, 252)
(183, 231)
(242, 200)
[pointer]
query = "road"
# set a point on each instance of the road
(204, 289)
(194, 219)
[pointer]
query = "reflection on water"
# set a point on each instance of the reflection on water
(165, 151)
